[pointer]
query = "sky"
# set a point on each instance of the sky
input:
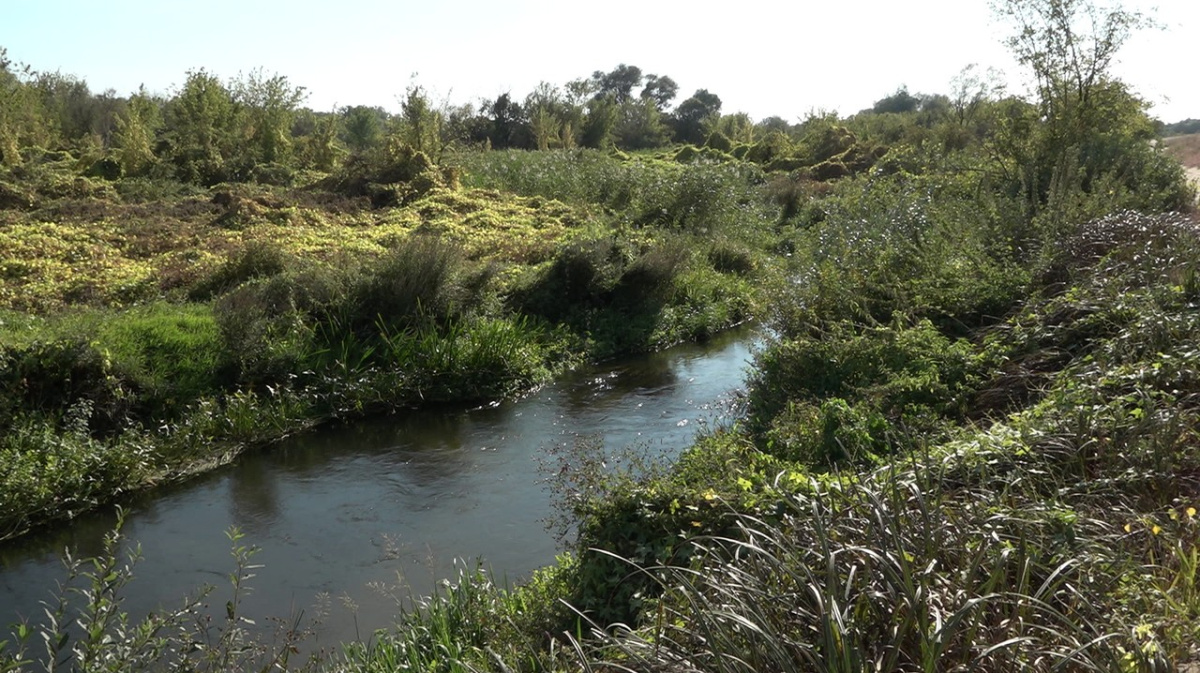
(763, 57)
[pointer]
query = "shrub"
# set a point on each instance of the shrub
(687, 154)
(267, 325)
(719, 141)
(417, 277)
(913, 377)
(46, 378)
(256, 259)
(728, 256)
(650, 280)
(579, 278)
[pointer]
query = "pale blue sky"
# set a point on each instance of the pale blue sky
(761, 57)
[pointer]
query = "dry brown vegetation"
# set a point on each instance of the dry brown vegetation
(1185, 148)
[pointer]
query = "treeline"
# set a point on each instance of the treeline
(254, 128)
(242, 129)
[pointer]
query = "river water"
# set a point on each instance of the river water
(359, 516)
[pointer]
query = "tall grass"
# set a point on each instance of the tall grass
(701, 198)
(885, 576)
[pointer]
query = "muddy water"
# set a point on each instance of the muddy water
(354, 517)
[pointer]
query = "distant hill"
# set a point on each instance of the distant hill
(1184, 127)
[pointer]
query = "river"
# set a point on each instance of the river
(358, 516)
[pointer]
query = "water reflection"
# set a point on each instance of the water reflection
(254, 505)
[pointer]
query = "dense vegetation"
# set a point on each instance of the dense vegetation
(970, 443)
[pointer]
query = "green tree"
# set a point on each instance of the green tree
(661, 90)
(899, 102)
(618, 83)
(1091, 149)
(268, 106)
(548, 114)
(508, 122)
(421, 124)
(738, 127)
(603, 113)
(363, 127)
(318, 148)
(200, 124)
(641, 125)
(692, 114)
(22, 118)
(136, 129)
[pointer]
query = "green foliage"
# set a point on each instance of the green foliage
(851, 394)
(135, 133)
(600, 123)
(416, 279)
(170, 355)
(1092, 151)
(420, 124)
(200, 129)
(719, 141)
(267, 106)
(694, 114)
(44, 378)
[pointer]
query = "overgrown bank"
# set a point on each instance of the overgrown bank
(147, 335)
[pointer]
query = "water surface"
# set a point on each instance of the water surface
(358, 515)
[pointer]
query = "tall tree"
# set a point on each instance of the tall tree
(136, 129)
(22, 118)
(421, 123)
(661, 90)
(269, 106)
(692, 114)
(200, 129)
(618, 83)
(1090, 151)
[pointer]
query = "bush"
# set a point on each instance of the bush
(729, 257)
(913, 378)
(578, 279)
(256, 259)
(46, 378)
(720, 142)
(418, 277)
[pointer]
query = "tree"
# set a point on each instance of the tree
(420, 123)
(136, 129)
(269, 106)
(507, 121)
(641, 125)
(661, 90)
(362, 127)
(693, 113)
(22, 118)
(603, 114)
(199, 128)
(738, 127)
(1092, 131)
(552, 118)
(619, 83)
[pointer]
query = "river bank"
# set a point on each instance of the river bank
(397, 502)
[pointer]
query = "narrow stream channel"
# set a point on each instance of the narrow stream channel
(350, 514)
